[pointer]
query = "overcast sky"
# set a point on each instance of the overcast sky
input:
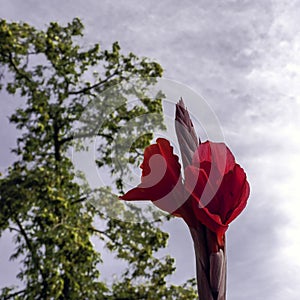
(243, 57)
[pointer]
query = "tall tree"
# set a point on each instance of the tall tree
(49, 207)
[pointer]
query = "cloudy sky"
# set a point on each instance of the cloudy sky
(243, 58)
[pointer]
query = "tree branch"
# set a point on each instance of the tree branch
(14, 229)
(15, 294)
(95, 230)
(82, 136)
(82, 199)
(32, 251)
(88, 88)
(17, 70)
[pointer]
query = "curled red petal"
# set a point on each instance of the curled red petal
(217, 153)
(241, 195)
(196, 190)
(161, 177)
(210, 220)
(217, 198)
(232, 195)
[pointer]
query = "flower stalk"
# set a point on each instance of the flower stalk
(210, 258)
(211, 194)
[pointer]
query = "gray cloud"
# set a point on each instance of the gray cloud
(242, 57)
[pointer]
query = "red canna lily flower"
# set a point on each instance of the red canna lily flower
(212, 193)
(215, 189)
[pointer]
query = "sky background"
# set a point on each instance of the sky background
(243, 57)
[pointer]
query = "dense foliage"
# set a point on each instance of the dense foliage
(50, 207)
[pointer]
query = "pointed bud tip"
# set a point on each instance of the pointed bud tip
(187, 132)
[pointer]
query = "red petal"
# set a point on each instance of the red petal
(217, 198)
(202, 188)
(218, 153)
(161, 178)
(231, 197)
(241, 193)
(210, 220)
